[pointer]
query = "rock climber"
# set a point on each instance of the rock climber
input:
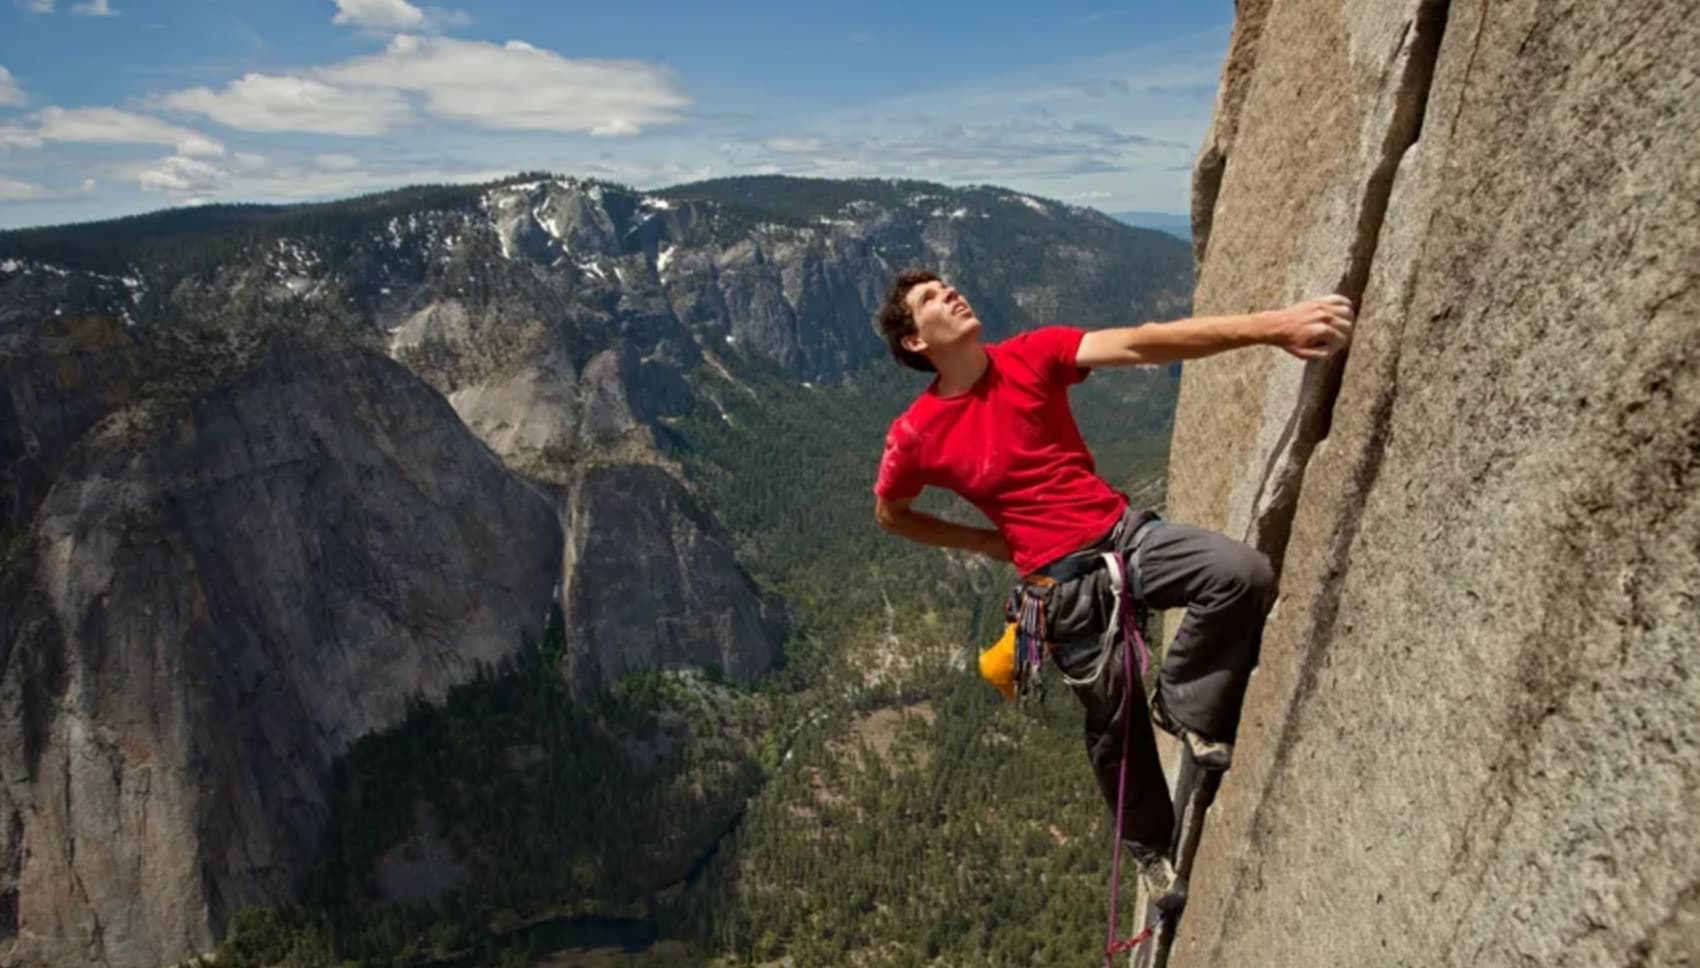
(995, 427)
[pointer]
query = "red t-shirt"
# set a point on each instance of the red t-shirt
(1011, 448)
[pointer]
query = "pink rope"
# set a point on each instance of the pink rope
(1118, 947)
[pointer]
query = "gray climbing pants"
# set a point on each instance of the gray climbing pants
(1227, 589)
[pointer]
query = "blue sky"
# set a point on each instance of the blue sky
(109, 107)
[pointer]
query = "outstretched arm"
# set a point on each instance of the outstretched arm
(1311, 330)
(902, 520)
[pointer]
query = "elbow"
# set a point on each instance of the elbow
(888, 515)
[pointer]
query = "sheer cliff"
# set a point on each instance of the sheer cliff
(1472, 737)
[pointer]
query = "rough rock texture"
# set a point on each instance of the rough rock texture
(1218, 143)
(31, 291)
(1475, 735)
(649, 582)
(56, 380)
(254, 562)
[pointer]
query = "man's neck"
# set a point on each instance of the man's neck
(958, 372)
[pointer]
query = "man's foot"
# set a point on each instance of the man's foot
(1164, 888)
(1208, 753)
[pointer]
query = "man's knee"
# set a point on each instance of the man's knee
(1245, 573)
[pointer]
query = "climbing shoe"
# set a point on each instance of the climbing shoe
(1163, 886)
(1209, 754)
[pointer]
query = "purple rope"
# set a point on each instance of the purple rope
(1130, 631)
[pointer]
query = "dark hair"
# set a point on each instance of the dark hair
(896, 321)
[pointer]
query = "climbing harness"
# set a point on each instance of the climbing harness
(1124, 618)
(1026, 614)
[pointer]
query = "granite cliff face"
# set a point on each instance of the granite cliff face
(650, 582)
(1472, 739)
(258, 557)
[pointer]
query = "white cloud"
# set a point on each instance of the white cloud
(518, 87)
(252, 178)
(197, 179)
(615, 128)
(265, 102)
(396, 16)
(37, 6)
(89, 185)
(12, 190)
(788, 146)
(336, 162)
(991, 149)
(94, 8)
(507, 87)
(112, 126)
(11, 95)
(12, 136)
(183, 175)
(379, 14)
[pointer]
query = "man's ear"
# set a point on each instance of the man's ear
(913, 343)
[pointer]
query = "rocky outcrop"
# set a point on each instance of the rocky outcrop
(56, 380)
(31, 291)
(1472, 739)
(261, 556)
(650, 582)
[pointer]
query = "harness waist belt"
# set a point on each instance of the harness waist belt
(1077, 565)
(1086, 561)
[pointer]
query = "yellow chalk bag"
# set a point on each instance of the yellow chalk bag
(997, 663)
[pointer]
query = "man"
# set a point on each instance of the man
(995, 427)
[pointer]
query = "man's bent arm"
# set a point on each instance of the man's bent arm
(900, 519)
(1310, 330)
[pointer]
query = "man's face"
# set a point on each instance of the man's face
(943, 317)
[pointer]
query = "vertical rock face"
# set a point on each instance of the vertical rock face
(650, 582)
(1474, 738)
(233, 576)
(56, 380)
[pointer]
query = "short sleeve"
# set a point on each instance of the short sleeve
(900, 474)
(1053, 350)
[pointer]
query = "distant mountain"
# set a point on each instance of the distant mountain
(1179, 226)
